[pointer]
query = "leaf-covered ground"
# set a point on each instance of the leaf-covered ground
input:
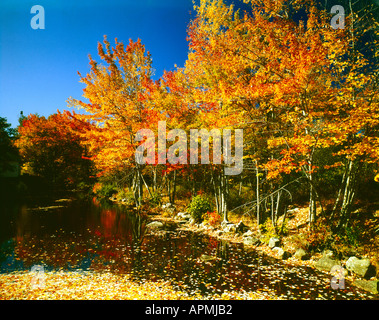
(62, 285)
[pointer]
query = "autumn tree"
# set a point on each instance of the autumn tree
(279, 77)
(205, 70)
(353, 124)
(116, 110)
(51, 149)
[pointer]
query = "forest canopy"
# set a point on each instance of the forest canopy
(304, 93)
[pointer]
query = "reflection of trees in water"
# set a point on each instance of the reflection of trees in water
(117, 221)
(137, 228)
(223, 250)
(138, 221)
(122, 222)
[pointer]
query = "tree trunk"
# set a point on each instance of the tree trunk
(312, 195)
(155, 186)
(240, 186)
(276, 214)
(312, 207)
(138, 187)
(221, 192)
(173, 189)
(257, 194)
(192, 182)
(349, 188)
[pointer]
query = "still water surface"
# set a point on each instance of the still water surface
(89, 235)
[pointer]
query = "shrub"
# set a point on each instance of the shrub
(212, 217)
(317, 237)
(268, 230)
(104, 190)
(127, 197)
(352, 234)
(96, 188)
(155, 199)
(198, 207)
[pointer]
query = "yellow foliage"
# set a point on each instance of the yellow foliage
(100, 286)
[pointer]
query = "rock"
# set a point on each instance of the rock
(273, 242)
(184, 215)
(251, 241)
(167, 205)
(328, 253)
(248, 233)
(241, 227)
(361, 267)
(280, 253)
(207, 258)
(292, 211)
(63, 200)
(171, 210)
(278, 250)
(155, 225)
(229, 227)
(301, 254)
(368, 285)
(326, 263)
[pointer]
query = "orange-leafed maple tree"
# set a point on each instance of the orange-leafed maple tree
(117, 109)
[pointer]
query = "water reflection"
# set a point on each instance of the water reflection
(101, 236)
(223, 249)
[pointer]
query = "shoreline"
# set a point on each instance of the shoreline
(351, 278)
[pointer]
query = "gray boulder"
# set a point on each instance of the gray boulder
(184, 215)
(292, 211)
(251, 241)
(169, 208)
(155, 225)
(273, 242)
(361, 267)
(328, 253)
(368, 285)
(301, 254)
(248, 233)
(280, 253)
(327, 262)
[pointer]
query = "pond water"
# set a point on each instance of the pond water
(89, 235)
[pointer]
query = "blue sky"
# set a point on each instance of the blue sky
(38, 68)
